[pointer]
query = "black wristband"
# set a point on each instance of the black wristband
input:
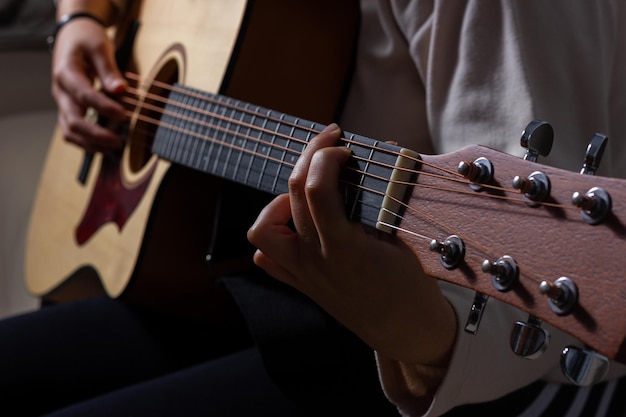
(68, 18)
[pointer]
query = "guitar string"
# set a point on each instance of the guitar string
(457, 177)
(419, 213)
(476, 245)
(366, 173)
(208, 98)
(157, 122)
(284, 148)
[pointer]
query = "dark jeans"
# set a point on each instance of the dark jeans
(100, 357)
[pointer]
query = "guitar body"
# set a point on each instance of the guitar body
(140, 227)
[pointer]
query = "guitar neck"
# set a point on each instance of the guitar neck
(258, 147)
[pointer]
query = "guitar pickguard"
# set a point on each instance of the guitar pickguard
(111, 200)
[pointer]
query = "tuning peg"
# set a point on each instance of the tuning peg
(476, 313)
(504, 272)
(594, 205)
(583, 366)
(529, 339)
(451, 250)
(535, 187)
(593, 154)
(562, 294)
(537, 138)
(479, 172)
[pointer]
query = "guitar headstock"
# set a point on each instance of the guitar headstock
(545, 240)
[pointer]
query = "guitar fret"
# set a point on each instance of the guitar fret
(229, 113)
(303, 132)
(158, 146)
(356, 199)
(174, 134)
(244, 155)
(229, 153)
(202, 133)
(270, 147)
(241, 142)
(255, 148)
(251, 150)
(215, 129)
(161, 147)
(201, 157)
(210, 137)
(181, 151)
(365, 202)
(196, 128)
(282, 156)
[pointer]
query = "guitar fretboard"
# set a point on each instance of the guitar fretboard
(258, 147)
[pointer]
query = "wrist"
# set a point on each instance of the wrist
(65, 19)
(422, 380)
(106, 12)
(411, 387)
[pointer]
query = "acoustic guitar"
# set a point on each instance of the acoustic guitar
(542, 239)
(124, 225)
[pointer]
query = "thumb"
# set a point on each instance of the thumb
(107, 70)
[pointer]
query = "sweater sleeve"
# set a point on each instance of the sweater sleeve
(482, 367)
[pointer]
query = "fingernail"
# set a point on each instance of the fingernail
(117, 86)
(333, 127)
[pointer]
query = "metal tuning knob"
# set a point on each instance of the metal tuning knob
(504, 272)
(562, 295)
(476, 313)
(537, 138)
(529, 339)
(478, 172)
(593, 154)
(535, 187)
(583, 366)
(451, 250)
(594, 205)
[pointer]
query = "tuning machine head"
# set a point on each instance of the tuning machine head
(480, 171)
(583, 366)
(504, 272)
(535, 187)
(537, 138)
(562, 295)
(451, 250)
(476, 313)
(594, 205)
(593, 154)
(528, 339)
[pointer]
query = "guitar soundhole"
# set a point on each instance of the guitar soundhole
(152, 94)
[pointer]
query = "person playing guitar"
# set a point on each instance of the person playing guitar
(368, 290)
